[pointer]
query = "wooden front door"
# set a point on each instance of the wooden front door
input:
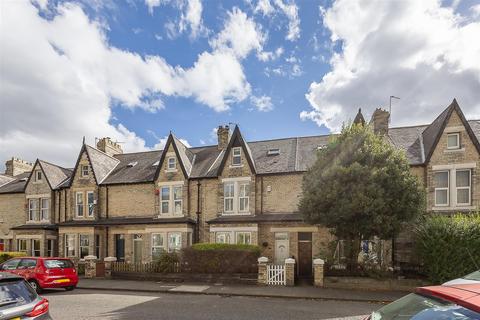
(305, 254)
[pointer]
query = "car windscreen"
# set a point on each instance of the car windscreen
(15, 293)
(58, 263)
(419, 307)
(473, 276)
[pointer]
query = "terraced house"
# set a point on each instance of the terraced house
(136, 205)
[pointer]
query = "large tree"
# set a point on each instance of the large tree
(360, 187)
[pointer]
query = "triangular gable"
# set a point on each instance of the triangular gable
(236, 135)
(54, 174)
(101, 163)
(179, 149)
(431, 135)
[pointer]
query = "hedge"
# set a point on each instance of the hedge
(4, 256)
(220, 258)
(449, 246)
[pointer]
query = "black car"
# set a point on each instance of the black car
(18, 300)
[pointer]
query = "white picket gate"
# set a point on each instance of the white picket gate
(276, 274)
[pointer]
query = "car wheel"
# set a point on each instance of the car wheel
(34, 284)
(70, 288)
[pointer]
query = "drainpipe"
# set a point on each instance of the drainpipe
(199, 212)
(65, 205)
(106, 202)
(261, 194)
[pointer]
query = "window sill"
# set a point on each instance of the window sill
(236, 214)
(451, 208)
(454, 150)
(171, 170)
(169, 215)
(232, 166)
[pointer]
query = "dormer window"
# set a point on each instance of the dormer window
(84, 170)
(132, 164)
(38, 176)
(273, 152)
(453, 141)
(155, 164)
(236, 156)
(172, 163)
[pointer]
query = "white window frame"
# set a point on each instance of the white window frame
(226, 235)
(169, 167)
(77, 204)
(236, 153)
(50, 247)
(24, 241)
(244, 233)
(44, 211)
(92, 205)
(469, 188)
(442, 189)
(246, 196)
(33, 210)
(229, 198)
(38, 176)
(84, 173)
(32, 247)
(458, 141)
(161, 247)
(171, 200)
(170, 248)
(67, 245)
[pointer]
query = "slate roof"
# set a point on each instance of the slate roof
(54, 174)
(143, 171)
(102, 164)
(17, 185)
(4, 179)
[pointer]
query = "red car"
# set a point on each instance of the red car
(436, 302)
(43, 273)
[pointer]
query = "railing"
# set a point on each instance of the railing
(276, 274)
(149, 267)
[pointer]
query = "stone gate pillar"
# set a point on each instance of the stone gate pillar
(108, 266)
(90, 266)
(262, 270)
(318, 272)
(289, 272)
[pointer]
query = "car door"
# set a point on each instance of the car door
(26, 268)
(10, 266)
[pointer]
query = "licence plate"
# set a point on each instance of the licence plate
(17, 318)
(61, 281)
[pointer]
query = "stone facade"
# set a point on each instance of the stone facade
(12, 209)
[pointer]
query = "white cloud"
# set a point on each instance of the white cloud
(418, 50)
(264, 7)
(291, 11)
(152, 4)
(269, 55)
(262, 103)
(57, 88)
(240, 35)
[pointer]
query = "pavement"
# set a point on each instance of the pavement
(83, 304)
(297, 292)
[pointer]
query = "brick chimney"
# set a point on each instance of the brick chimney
(108, 146)
(380, 120)
(223, 134)
(16, 166)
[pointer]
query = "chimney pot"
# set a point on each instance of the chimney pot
(380, 120)
(16, 166)
(223, 134)
(108, 146)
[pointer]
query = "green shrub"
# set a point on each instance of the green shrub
(4, 256)
(220, 258)
(167, 262)
(449, 246)
(225, 246)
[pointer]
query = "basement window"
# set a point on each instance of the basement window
(273, 152)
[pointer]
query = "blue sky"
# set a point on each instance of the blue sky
(132, 27)
(136, 69)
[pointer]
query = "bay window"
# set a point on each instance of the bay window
(174, 241)
(84, 241)
(463, 186)
(158, 245)
(70, 245)
(222, 237)
(22, 245)
(243, 237)
(35, 248)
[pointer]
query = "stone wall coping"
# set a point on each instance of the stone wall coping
(262, 260)
(110, 259)
(289, 261)
(318, 262)
(91, 258)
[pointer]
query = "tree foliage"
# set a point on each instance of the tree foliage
(361, 186)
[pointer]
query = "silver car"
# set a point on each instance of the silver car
(473, 277)
(18, 300)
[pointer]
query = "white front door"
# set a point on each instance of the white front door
(281, 247)
(137, 248)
